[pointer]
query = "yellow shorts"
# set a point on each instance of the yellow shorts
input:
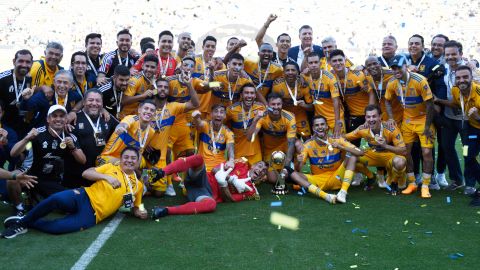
(160, 185)
(412, 132)
(181, 138)
(328, 180)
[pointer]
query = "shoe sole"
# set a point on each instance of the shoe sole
(13, 236)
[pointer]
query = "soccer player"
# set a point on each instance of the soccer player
(184, 40)
(167, 113)
(332, 163)
(114, 90)
(263, 72)
(114, 186)
(43, 71)
(50, 144)
(12, 84)
(295, 96)
(121, 56)
(437, 50)
(93, 48)
(386, 147)
(92, 131)
(299, 53)
(284, 42)
(279, 131)
(325, 94)
(166, 61)
(78, 67)
(240, 117)
(41, 101)
(140, 87)
(354, 91)
(133, 130)
(328, 45)
(415, 95)
(389, 47)
(215, 138)
(205, 188)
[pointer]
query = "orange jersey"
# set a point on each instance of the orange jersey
(321, 159)
(273, 72)
(277, 133)
(379, 87)
(288, 95)
(472, 101)
(137, 85)
(392, 137)
(239, 121)
(212, 147)
(134, 136)
(229, 92)
(413, 99)
(354, 91)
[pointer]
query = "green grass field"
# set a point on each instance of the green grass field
(368, 232)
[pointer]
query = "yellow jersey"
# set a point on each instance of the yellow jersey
(263, 77)
(469, 102)
(392, 136)
(321, 159)
(179, 93)
(42, 74)
(105, 199)
(229, 92)
(354, 91)
(412, 99)
(277, 133)
(199, 72)
(137, 85)
(326, 66)
(212, 147)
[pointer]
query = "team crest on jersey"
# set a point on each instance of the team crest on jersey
(80, 126)
(421, 68)
(44, 145)
(11, 89)
(54, 144)
(315, 152)
(199, 67)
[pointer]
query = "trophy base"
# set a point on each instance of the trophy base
(280, 190)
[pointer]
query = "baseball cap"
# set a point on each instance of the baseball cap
(398, 60)
(56, 107)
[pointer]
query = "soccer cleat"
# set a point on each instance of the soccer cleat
(170, 191)
(441, 180)
(341, 196)
(331, 198)
(9, 221)
(357, 179)
(381, 181)
(410, 189)
(15, 229)
(426, 193)
(158, 212)
(469, 190)
(434, 186)
(453, 186)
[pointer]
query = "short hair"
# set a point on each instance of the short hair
(372, 107)
(328, 39)
(209, 38)
(121, 70)
(440, 36)
(464, 67)
(392, 38)
(147, 101)
(92, 36)
(236, 56)
(164, 33)
(130, 148)
(161, 79)
(291, 63)
(22, 52)
(476, 62)
(313, 54)
(306, 26)
(64, 72)
(146, 46)
(231, 39)
(248, 84)
(418, 36)
(454, 44)
(186, 58)
(146, 40)
(336, 52)
(319, 116)
(218, 105)
(273, 95)
(54, 45)
(124, 32)
(72, 59)
(151, 58)
(92, 91)
(283, 35)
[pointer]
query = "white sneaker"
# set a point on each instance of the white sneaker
(469, 190)
(357, 179)
(441, 180)
(331, 198)
(342, 196)
(434, 186)
(381, 181)
(170, 191)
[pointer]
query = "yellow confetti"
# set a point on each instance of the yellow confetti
(157, 220)
(416, 223)
(353, 266)
(357, 207)
(423, 205)
(458, 222)
(284, 220)
(405, 222)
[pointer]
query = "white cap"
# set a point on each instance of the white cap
(56, 107)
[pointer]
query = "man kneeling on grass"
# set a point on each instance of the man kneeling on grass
(115, 185)
(206, 189)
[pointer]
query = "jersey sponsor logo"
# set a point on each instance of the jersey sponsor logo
(54, 144)
(11, 89)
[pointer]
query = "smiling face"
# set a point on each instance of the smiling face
(146, 112)
(129, 161)
(290, 72)
(306, 37)
(320, 128)
(149, 68)
(338, 63)
(265, 54)
(231, 43)
(235, 66)
(188, 66)
(184, 40)
(313, 64)
(62, 84)
(275, 106)
(399, 72)
(57, 120)
(463, 79)
(373, 66)
(283, 44)
(328, 47)
(94, 46)
(79, 65)
(93, 104)
(372, 118)
(23, 64)
(437, 46)
(452, 56)
(389, 47)
(124, 42)
(53, 57)
(218, 115)
(258, 171)
(162, 88)
(165, 44)
(415, 46)
(248, 96)
(209, 49)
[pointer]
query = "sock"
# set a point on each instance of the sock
(19, 207)
(411, 178)
(317, 191)
(206, 205)
(359, 167)
(347, 179)
(183, 164)
(426, 179)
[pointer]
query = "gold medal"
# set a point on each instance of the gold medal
(63, 145)
(330, 148)
(215, 151)
(318, 102)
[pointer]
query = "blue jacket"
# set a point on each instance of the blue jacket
(293, 52)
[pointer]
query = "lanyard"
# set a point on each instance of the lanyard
(462, 104)
(421, 60)
(92, 66)
(231, 93)
(64, 101)
(292, 95)
(96, 128)
(118, 101)
(144, 140)
(316, 91)
(400, 89)
(120, 59)
(247, 118)
(451, 80)
(56, 134)
(206, 70)
(384, 61)
(163, 70)
(342, 91)
(329, 146)
(127, 181)
(260, 81)
(17, 91)
(379, 89)
(159, 122)
(215, 140)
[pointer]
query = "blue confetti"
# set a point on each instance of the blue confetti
(276, 204)
(300, 193)
(472, 136)
(303, 190)
(455, 256)
(449, 200)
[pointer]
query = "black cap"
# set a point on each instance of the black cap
(398, 60)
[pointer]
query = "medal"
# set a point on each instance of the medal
(260, 81)
(17, 90)
(330, 148)
(63, 145)
(163, 70)
(231, 93)
(215, 140)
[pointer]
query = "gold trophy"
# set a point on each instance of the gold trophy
(277, 162)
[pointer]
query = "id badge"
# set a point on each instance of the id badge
(128, 200)
(99, 141)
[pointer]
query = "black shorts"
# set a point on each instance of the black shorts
(196, 184)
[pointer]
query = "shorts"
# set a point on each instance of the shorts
(197, 185)
(412, 132)
(181, 138)
(303, 127)
(328, 180)
(378, 159)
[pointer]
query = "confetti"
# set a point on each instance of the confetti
(255, 218)
(455, 256)
(348, 221)
(458, 222)
(284, 220)
(278, 197)
(353, 266)
(276, 204)
(428, 232)
(418, 224)
(157, 220)
(405, 222)
(423, 205)
(448, 199)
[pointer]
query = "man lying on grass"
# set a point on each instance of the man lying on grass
(115, 186)
(205, 189)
